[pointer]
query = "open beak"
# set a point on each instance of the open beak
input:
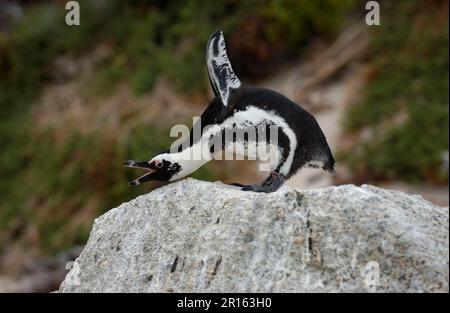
(143, 165)
(137, 164)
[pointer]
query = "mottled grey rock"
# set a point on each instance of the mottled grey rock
(194, 236)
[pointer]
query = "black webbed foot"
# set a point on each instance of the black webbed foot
(272, 183)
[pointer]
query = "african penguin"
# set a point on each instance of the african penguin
(299, 140)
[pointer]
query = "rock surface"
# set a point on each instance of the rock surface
(194, 236)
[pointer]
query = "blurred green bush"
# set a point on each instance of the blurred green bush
(410, 57)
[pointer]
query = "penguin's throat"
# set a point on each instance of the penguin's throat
(188, 163)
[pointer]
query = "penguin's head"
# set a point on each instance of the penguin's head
(161, 168)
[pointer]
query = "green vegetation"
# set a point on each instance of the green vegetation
(410, 56)
(54, 181)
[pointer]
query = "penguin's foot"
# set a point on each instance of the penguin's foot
(272, 183)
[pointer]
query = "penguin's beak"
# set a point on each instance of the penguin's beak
(144, 178)
(137, 164)
(143, 165)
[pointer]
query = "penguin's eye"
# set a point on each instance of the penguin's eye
(159, 164)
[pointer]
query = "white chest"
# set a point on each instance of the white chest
(247, 125)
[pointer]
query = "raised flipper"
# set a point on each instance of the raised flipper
(221, 75)
(272, 183)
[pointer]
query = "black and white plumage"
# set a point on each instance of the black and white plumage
(221, 75)
(300, 141)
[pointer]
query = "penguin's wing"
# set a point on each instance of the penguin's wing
(221, 75)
